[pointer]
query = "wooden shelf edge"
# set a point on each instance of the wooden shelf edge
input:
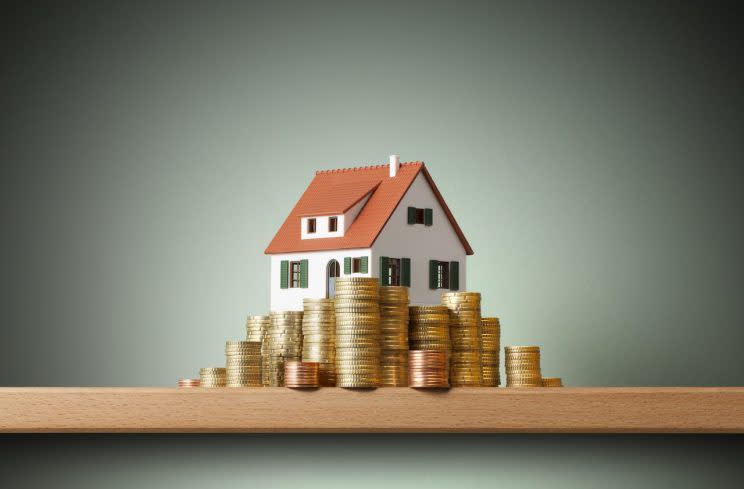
(331, 410)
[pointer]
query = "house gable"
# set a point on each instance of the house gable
(338, 191)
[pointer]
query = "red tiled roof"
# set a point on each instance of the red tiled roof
(335, 191)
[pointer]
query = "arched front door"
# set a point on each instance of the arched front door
(333, 270)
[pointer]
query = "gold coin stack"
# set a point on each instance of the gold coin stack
(523, 366)
(429, 328)
(256, 329)
(301, 375)
(427, 369)
(552, 382)
(283, 342)
(243, 363)
(357, 332)
(394, 336)
(490, 348)
(188, 383)
(465, 319)
(212, 377)
(319, 338)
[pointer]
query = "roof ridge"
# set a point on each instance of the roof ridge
(368, 167)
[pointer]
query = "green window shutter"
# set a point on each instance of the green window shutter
(303, 274)
(432, 274)
(384, 271)
(454, 275)
(284, 274)
(405, 272)
(411, 215)
(428, 217)
(347, 265)
(364, 265)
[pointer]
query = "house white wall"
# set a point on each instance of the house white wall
(420, 243)
(290, 299)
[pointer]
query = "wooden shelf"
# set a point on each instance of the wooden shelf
(575, 410)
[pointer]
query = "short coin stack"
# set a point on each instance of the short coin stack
(523, 366)
(212, 377)
(490, 349)
(427, 369)
(319, 338)
(394, 336)
(243, 363)
(283, 342)
(357, 305)
(465, 318)
(188, 383)
(552, 382)
(299, 375)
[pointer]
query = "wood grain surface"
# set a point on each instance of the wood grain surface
(573, 410)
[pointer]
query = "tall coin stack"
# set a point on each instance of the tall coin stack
(319, 338)
(243, 363)
(256, 328)
(357, 332)
(465, 318)
(490, 348)
(428, 369)
(394, 336)
(212, 377)
(523, 366)
(283, 342)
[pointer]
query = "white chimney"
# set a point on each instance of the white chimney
(394, 165)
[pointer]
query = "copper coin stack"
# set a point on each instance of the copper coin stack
(490, 332)
(319, 338)
(357, 306)
(299, 375)
(212, 377)
(552, 382)
(282, 342)
(188, 383)
(523, 366)
(427, 369)
(394, 336)
(465, 319)
(243, 363)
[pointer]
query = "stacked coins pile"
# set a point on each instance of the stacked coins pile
(429, 328)
(256, 329)
(188, 383)
(465, 319)
(212, 377)
(552, 382)
(243, 363)
(319, 338)
(490, 348)
(357, 306)
(299, 375)
(282, 342)
(427, 369)
(523, 366)
(394, 336)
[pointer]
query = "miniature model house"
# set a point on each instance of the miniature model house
(386, 221)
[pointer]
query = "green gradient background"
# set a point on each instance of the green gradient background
(591, 153)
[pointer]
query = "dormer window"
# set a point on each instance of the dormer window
(311, 225)
(332, 224)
